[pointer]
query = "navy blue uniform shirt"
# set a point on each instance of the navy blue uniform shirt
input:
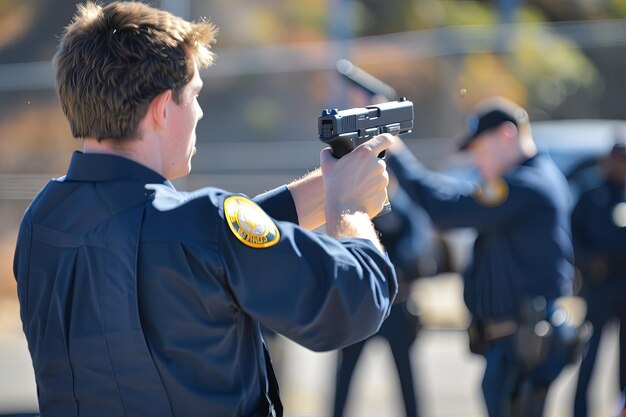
(138, 300)
(523, 247)
(599, 229)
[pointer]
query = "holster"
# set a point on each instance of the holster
(548, 334)
(534, 336)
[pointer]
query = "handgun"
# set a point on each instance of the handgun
(344, 130)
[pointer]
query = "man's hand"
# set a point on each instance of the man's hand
(356, 189)
(357, 181)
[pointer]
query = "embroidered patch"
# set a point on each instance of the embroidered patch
(249, 223)
(492, 194)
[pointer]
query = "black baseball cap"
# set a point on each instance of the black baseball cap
(492, 114)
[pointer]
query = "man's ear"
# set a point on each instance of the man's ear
(157, 110)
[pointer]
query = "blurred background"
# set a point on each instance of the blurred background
(564, 60)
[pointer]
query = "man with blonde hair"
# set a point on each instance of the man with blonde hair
(140, 300)
(522, 258)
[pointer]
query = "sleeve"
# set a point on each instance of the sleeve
(453, 203)
(279, 204)
(322, 293)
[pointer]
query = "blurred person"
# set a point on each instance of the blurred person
(599, 233)
(522, 257)
(405, 233)
(140, 300)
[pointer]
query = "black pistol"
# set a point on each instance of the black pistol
(344, 130)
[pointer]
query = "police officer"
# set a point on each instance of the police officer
(405, 233)
(599, 232)
(140, 300)
(523, 249)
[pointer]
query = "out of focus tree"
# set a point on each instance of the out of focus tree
(30, 28)
(15, 19)
(537, 67)
(580, 9)
(245, 22)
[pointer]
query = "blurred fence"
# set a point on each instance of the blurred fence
(390, 48)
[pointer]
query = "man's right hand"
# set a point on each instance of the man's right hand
(356, 189)
(357, 181)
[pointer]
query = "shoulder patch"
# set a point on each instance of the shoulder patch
(492, 194)
(249, 223)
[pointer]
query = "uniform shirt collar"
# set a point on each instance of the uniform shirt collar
(106, 167)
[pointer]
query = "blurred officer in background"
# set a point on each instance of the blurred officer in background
(599, 232)
(139, 300)
(405, 233)
(522, 259)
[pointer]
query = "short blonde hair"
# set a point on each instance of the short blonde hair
(113, 60)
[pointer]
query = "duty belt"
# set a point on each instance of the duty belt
(498, 329)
